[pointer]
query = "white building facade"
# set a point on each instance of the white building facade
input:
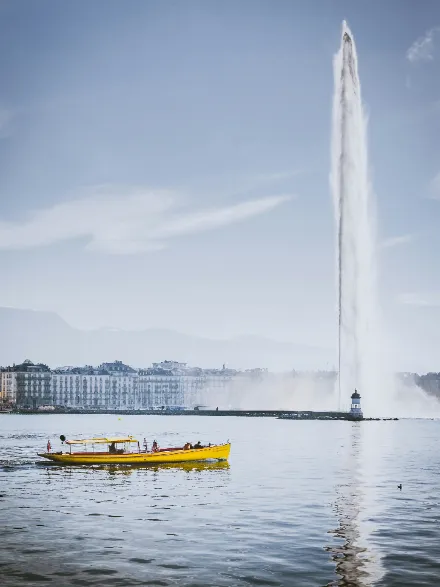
(111, 386)
(161, 386)
(81, 390)
(114, 386)
(8, 386)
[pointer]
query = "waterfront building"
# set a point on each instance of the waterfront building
(176, 385)
(123, 385)
(117, 386)
(109, 386)
(161, 386)
(27, 384)
(81, 387)
(8, 387)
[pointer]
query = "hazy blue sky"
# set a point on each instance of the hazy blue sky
(165, 164)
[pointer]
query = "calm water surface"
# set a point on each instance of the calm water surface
(299, 504)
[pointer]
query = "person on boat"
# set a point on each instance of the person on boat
(198, 445)
(187, 446)
(49, 447)
(145, 443)
(112, 448)
(155, 447)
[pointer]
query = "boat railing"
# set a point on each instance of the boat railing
(108, 446)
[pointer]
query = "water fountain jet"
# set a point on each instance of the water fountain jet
(355, 227)
(360, 333)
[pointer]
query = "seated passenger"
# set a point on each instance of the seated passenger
(198, 445)
(155, 447)
(112, 448)
(187, 446)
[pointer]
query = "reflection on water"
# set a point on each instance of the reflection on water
(357, 558)
(347, 555)
(200, 466)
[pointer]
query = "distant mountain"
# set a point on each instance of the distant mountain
(45, 337)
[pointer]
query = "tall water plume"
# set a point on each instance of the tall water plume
(355, 229)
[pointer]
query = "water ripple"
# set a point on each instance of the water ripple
(317, 505)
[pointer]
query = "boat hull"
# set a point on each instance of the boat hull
(217, 452)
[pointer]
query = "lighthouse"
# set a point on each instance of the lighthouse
(355, 409)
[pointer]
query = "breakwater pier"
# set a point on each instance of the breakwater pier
(279, 414)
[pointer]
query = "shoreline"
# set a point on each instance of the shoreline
(279, 414)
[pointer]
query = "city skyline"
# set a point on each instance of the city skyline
(115, 385)
(171, 385)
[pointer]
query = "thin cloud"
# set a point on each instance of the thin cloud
(397, 241)
(215, 218)
(277, 176)
(427, 300)
(423, 48)
(126, 221)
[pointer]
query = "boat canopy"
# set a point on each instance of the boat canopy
(101, 440)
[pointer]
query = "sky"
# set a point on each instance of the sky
(166, 165)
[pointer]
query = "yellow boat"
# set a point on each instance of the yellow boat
(118, 451)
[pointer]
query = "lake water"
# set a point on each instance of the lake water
(306, 503)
